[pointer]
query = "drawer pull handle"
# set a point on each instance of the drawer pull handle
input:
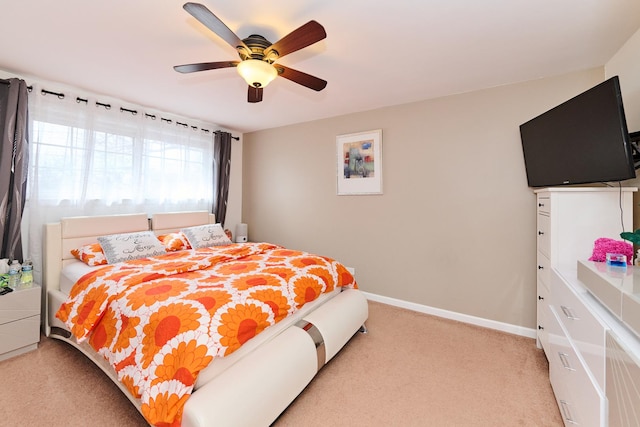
(541, 328)
(567, 312)
(540, 267)
(540, 205)
(566, 413)
(540, 297)
(564, 359)
(540, 233)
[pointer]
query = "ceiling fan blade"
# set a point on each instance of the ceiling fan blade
(308, 34)
(212, 22)
(203, 66)
(254, 94)
(301, 78)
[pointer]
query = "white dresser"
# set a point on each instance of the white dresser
(571, 329)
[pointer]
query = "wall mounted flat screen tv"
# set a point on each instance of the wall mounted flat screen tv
(583, 140)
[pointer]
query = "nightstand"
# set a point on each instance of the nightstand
(20, 321)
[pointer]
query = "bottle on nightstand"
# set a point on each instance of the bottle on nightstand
(14, 274)
(26, 278)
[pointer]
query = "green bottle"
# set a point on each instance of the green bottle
(27, 272)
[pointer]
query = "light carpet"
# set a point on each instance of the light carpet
(410, 369)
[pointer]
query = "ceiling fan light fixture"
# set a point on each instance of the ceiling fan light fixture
(257, 73)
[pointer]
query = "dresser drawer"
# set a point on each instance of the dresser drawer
(543, 269)
(19, 304)
(580, 399)
(585, 330)
(623, 379)
(542, 309)
(558, 343)
(544, 204)
(543, 232)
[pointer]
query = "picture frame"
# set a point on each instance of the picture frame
(359, 163)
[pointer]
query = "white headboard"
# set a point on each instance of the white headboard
(71, 233)
(169, 222)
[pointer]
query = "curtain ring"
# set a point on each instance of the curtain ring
(48, 92)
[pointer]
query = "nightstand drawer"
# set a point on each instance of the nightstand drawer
(19, 304)
(18, 334)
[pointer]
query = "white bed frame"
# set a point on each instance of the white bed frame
(266, 380)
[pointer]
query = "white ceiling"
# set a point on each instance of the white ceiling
(376, 54)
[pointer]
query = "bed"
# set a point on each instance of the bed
(252, 384)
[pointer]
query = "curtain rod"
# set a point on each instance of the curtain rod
(60, 95)
(237, 138)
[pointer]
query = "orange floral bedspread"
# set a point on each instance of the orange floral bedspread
(160, 321)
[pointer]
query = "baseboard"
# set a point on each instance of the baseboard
(478, 321)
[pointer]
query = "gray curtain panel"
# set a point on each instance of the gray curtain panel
(221, 172)
(14, 164)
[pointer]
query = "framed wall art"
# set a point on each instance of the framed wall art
(359, 163)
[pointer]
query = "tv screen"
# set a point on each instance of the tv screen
(583, 140)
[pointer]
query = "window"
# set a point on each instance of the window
(88, 160)
(88, 157)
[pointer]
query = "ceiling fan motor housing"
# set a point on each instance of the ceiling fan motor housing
(257, 44)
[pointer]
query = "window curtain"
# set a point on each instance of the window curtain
(222, 168)
(14, 161)
(97, 156)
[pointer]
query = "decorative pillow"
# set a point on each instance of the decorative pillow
(174, 241)
(128, 246)
(90, 254)
(203, 236)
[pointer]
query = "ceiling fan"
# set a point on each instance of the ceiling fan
(258, 55)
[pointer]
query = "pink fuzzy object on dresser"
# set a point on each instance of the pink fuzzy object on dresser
(604, 246)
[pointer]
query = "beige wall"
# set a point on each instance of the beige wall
(455, 227)
(626, 65)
